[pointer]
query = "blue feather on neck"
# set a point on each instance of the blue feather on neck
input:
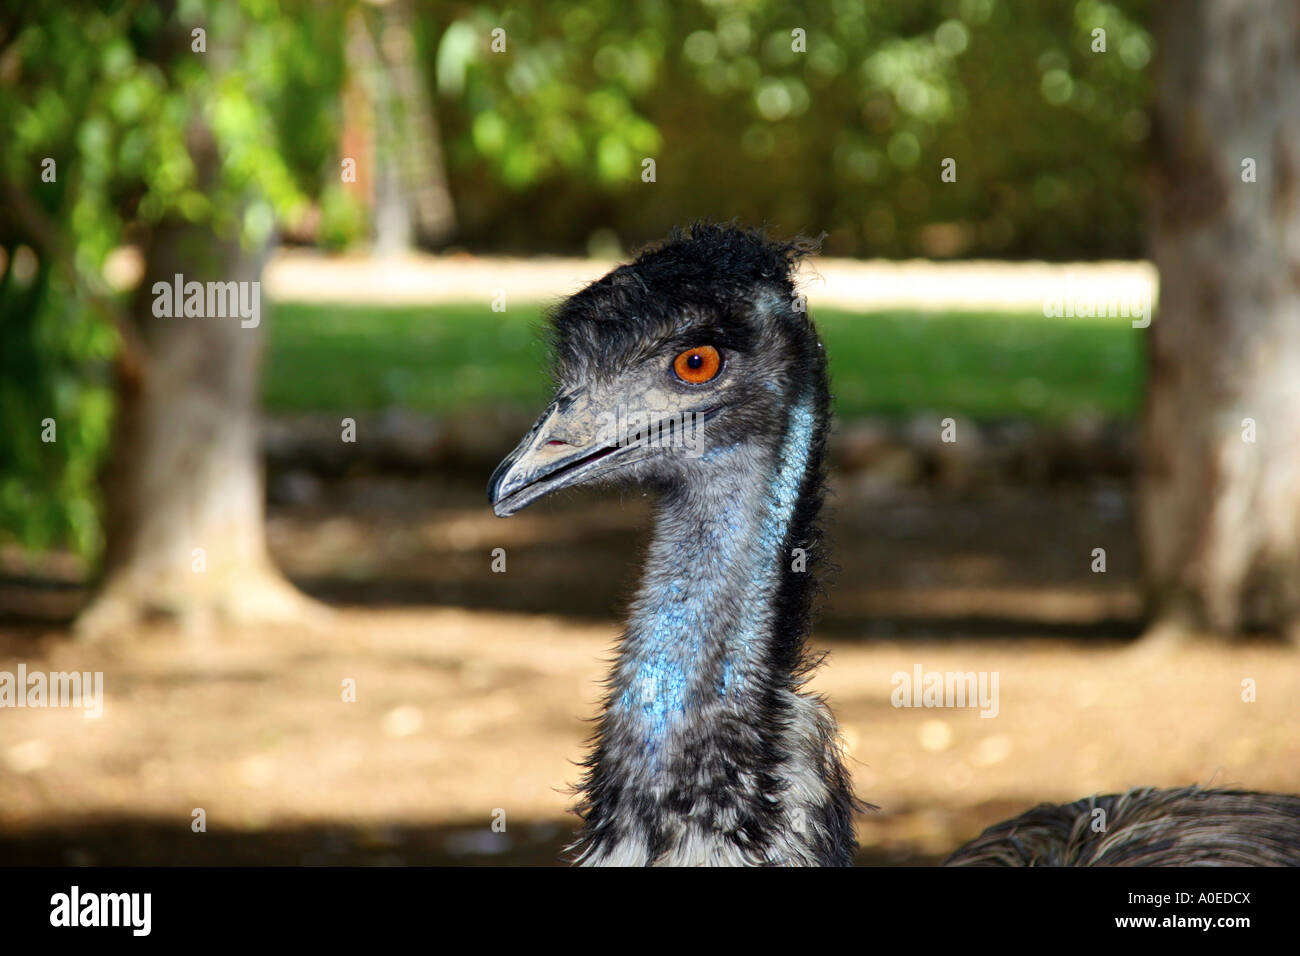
(679, 630)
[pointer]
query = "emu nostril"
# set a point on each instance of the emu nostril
(556, 441)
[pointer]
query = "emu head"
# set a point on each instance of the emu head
(698, 347)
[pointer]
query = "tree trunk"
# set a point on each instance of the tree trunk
(183, 490)
(416, 141)
(1220, 481)
(390, 120)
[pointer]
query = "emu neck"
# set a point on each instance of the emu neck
(707, 753)
(701, 634)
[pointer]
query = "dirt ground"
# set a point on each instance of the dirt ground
(474, 690)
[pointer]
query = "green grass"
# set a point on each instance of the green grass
(442, 358)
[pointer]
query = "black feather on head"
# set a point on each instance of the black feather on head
(711, 280)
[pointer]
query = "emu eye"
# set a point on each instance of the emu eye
(698, 365)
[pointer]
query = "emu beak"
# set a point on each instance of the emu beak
(565, 447)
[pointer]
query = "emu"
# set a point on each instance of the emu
(708, 751)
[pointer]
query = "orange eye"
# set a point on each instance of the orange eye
(698, 365)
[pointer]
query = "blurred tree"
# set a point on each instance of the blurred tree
(184, 129)
(1220, 506)
(391, 127)
(832, 116)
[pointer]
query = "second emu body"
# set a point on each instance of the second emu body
(708, 752)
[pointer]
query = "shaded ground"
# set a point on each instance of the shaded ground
(473, 688)
(914, 561)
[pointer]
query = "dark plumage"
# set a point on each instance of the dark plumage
(1147, 827)
(707, 751)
